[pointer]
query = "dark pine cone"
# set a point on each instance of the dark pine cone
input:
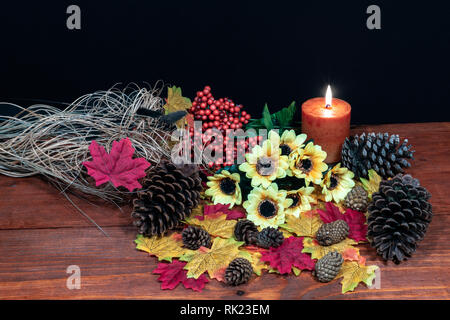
(245, 230)
(399, 215)
(194, 238)
(331, 233)
(238, 272)
(380, 152)
(328, 267)
(357, 199)
(168, 196)
(270, 237)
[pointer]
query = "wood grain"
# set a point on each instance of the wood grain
(41, 234)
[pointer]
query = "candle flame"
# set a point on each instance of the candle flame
(328, 97)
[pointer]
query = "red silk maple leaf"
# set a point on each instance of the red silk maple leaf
(288, 255)
(231, 214)
(356, 220)
(171, 274)
(117, 166)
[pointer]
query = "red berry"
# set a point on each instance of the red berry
(212, 107)
(207, 88)
(247, 116)
(243, 113)
(207, 112)
(203, 105)
(204, 118)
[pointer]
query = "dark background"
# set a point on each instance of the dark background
(251, 51)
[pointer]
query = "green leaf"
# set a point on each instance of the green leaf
(266, 118)
(285, 116)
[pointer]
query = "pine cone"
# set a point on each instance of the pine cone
(168, 196)
(331, 233)
(194, 238)
(399, 215)
(380, 152)
(357, 199)
(245, 230)
(328, 266)
(238, 272)
(270, 237)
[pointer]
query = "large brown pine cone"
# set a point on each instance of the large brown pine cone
(169, 194)
(399, 215)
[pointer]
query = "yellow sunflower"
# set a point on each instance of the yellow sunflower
(301, 201)
(308, 163)
(337, 183)
(265, 164)
(266, 207)
(224, 188)
(290, 142)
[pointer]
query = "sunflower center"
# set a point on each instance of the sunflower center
(227, 186)
(267, 208)
(285, 150)
(334, 181)
(305, 165)
(265, 166)
(295, 199)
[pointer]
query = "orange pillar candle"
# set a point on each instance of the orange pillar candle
(327, 122)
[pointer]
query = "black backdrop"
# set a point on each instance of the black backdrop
(251, 51)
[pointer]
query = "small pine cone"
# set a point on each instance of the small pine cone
(270, 237)
(333, 232)
(245, 230)
(328, 267)
(357, 199)
(194, 238)
(238, 272)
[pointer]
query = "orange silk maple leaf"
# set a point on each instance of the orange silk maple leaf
(117, 166)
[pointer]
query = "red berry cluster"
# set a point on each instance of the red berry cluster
(221, 114)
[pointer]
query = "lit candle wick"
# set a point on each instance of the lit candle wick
(328, 98)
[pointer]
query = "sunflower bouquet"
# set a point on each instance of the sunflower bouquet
(287, 160)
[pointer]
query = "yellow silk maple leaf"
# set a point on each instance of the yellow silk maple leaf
(213, 260)
(306, 225)
(373, 184)
(255, 260)
(353, 273)
(317, 251)
(165, 248)
(176, 102)
(215, 224)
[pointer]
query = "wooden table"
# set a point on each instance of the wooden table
(41, 234)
